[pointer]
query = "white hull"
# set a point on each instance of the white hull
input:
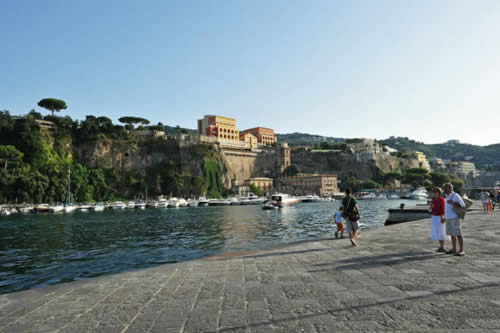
(98, 208)
(56, 209)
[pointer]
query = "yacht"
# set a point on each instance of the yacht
(5, 212)
(182, 202)
(419, 194)
(130, 204)
(162, 203)
(394, 197)
(282, 199)
(56, 208)
(140, 205)
(381, 196)
(202, 202)
(173, 203)
(119, 205)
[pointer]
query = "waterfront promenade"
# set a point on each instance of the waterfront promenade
(393, 281)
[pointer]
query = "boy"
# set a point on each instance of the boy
(339, 221)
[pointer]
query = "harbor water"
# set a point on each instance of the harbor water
(43, 249)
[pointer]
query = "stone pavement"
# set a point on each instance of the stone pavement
(393, 281)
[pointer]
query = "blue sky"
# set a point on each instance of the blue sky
(429, 70)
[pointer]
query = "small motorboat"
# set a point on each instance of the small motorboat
(182, 202)
(119, 205)
(56, 208)
(130, 204)
(271, 206)
(162, 203)
(42, 208)
(70, 208)
(140, 205)
(98, 207)
(152, 204)
(202, 202)
(234, 201)
(27, 209)
(173, 203)
(5, 212)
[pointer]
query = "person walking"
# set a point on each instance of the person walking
(351, 216)
(438, 228)
(484, 200)
(453, 227)
(339, 221)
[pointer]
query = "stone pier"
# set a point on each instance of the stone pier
(393, 281)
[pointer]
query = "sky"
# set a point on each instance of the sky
(426, 69)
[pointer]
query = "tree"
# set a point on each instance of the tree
(290, 171)
(10, 154)
(52, 104)
(256, 190)
(131, 121)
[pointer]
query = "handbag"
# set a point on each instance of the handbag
(461, 211)
(352, 215)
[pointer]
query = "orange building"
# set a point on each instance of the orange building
(265, 136)
(223, 128)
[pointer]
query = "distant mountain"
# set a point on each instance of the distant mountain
(482, 156)
(298, 139)
(487, 157)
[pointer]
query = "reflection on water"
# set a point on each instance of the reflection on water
(43, 249)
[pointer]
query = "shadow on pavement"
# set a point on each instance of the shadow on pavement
(360, 307)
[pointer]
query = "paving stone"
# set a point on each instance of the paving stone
(395, 281)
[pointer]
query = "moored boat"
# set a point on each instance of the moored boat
(173, 203)
(119, 205)
(283, 199)
(98, 207)
(162, 203)
(140, 205)
(130, 204)
(181, 202)
(56, 208)
(202, 202)
(42, 208)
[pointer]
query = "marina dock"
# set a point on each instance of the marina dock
(394, 280)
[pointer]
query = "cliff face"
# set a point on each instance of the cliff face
(343, 164)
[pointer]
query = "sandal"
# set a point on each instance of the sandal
(440, 249)
(460, 254)
(451, 252)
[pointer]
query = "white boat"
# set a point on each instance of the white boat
(152, 204)
(310, 198)
(202, 202)
(27, 209)
(234, 201)
(381, 196)
(98, 207)
(270, 206)
(42, 208)
(367, 196)
(173, 203)
(283, 199)
(192, 203)
(130, 204)
(5, 212)
(162, 203)
(182, 202)
(56, 208)
(84, 207)
(394, 197)
(140, 205)
(419, 194)
(70, 208)
(119, 205)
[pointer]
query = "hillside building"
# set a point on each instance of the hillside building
(223, 128)
(265, 136)
(304, 184)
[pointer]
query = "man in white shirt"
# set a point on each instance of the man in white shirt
(453, 227)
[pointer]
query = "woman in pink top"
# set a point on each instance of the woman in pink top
(438, 228)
